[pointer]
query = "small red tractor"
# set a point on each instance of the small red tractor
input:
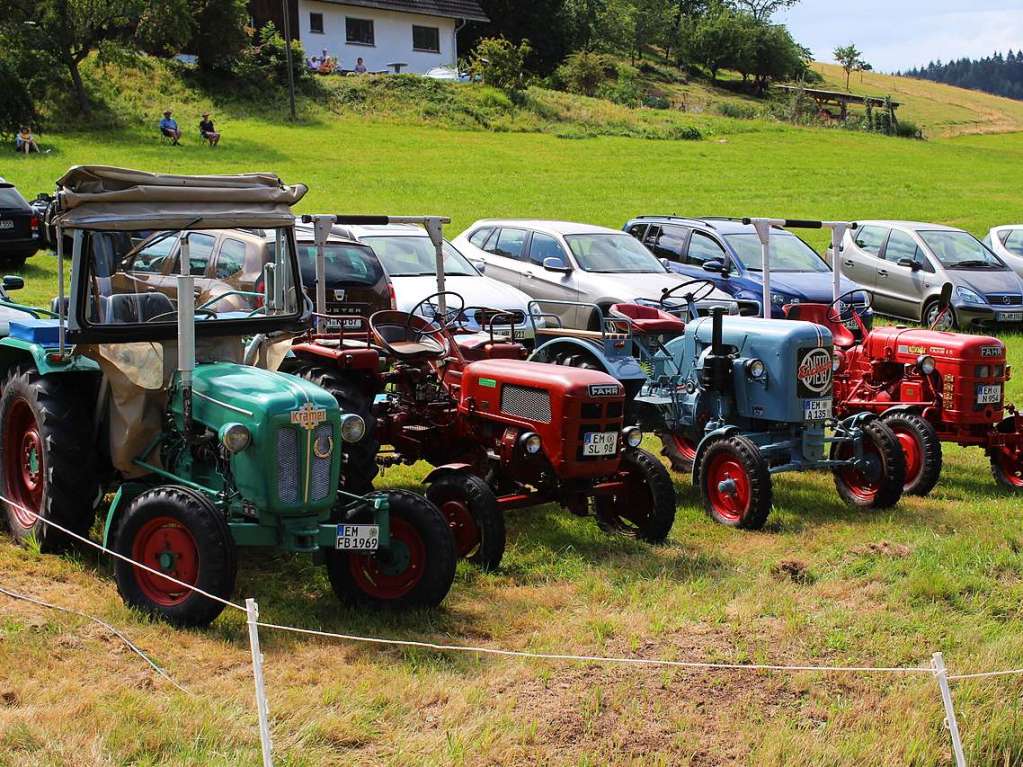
(928, 386)
(501, 432)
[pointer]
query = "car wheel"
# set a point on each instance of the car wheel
(948, 321)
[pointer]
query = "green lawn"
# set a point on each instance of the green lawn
(943, 573)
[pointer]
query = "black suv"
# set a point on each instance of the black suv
(21, 228)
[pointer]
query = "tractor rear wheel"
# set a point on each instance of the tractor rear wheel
(645, 509)
(416, 570)
(735, 483)
(475, 519)
(359, 467)
(48, 456)
(881, 487)
(178, 532)
(679, 450)
(921, 449)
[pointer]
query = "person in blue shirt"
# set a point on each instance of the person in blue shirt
(169, 128)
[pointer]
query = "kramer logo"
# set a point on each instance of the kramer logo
(814, 371)
(605, 390)
(308, 417)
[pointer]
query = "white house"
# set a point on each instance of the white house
(418, 34)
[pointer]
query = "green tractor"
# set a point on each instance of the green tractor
(140, 390)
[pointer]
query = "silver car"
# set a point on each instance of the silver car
(1007, 244)
(564, 261)
(905, 264)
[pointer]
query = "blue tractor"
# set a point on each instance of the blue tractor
(735, 400)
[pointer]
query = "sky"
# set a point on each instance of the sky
(901, 34)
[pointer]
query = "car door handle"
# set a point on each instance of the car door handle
(882, 272)
(528, 275)
(848, 262)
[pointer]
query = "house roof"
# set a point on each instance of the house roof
(454, 9)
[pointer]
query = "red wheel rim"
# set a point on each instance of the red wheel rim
(391, 574)
(914, 455)
(858, 483)
(630, 509)
(1010, 466)
(728, 487)
(166, 545)
(23, 463)
(463, 526)
(685, 447)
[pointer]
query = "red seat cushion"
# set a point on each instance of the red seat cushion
(478, 346)
(818, 314)
(648, 319)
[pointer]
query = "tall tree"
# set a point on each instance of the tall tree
(763, 10)
(849, 57)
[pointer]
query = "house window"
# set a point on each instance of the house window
(426, 39)
(316, 23)
(359, 31)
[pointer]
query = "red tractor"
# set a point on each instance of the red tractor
(501, 432)
(929, 386)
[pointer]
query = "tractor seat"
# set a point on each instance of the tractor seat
(647, 319)
(818, 314)
(136, 308)
(478, 346)
(393, 331)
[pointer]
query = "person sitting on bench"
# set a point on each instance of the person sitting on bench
(169, 128)
(207, 131)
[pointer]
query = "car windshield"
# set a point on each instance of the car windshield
(345, 264)
(960, 250)
(11, 199)
(132, 277)
(788, 253)
(414, 256)
(612, 252)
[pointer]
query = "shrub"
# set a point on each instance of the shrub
(736, 111)
(585, 72)
(908, 129)
(498, 62)
(265, 62)
(623, 90)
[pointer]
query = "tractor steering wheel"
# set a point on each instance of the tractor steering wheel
(837, 307)
(438, 323)
(703, 290)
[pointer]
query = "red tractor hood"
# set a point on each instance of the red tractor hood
(907, 345)
(557, 379)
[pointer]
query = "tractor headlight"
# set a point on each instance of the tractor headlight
(235, 437)
(353, 428)
(633, 436)
(926, 364)
(531, 442)
(756, 369)
(983, 371)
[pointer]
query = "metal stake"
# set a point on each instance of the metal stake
(287, 56)
(938, 664)
(252, 611)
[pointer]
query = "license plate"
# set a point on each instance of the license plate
(989, 395)
(358, 537)
(1010, 316)
(354, 324)
(816, 409)
(6, 223)
(600, 442)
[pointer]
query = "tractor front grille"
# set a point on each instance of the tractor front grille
(319, 472)
(526, 402)
(289, 465)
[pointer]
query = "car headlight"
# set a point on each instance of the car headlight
(779, 299)
(926, 364)
(969, 296)
(633, 436)
(353, 428)
(235, 437)
(531, 442)
(756, 369)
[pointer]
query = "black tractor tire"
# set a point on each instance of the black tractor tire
(359, 467)
(921, 450)
(735, 483)
(860, 491)
(418, 574)
(646, 509)
(48, 456)
(679, 451)
(473, 514)
(17, 261)
(177, 531)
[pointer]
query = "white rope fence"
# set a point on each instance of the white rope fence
(936, 668)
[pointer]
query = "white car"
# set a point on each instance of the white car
(563, 261)
(1007, 243)
(408, 256)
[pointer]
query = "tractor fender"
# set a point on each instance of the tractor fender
(364, 358)
(16, 351)
(125, 494)
(448, 468)
(708, 439)
(625, 368)
(856, 421)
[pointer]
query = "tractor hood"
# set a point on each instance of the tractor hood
(231, 393)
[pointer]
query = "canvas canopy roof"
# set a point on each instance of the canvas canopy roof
(107, 198)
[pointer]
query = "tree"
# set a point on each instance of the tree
(220, 32)
(762, 10)
(862, 67)
(500, 63)
(716, 40)
(849, 57)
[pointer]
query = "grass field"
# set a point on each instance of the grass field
(821, 584)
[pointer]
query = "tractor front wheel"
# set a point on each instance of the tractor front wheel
(921, 449)
(475, 519)
(880, 487)
(679, 450)
(415, 570)
(645, 508)
(735, 482)
(47, 455)
(175, 531)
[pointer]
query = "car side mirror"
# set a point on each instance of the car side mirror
(480, 266)
(556, 265)
(946, 296)
(13, 282)
(665, 263)
(715, 265)
(910, 263)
